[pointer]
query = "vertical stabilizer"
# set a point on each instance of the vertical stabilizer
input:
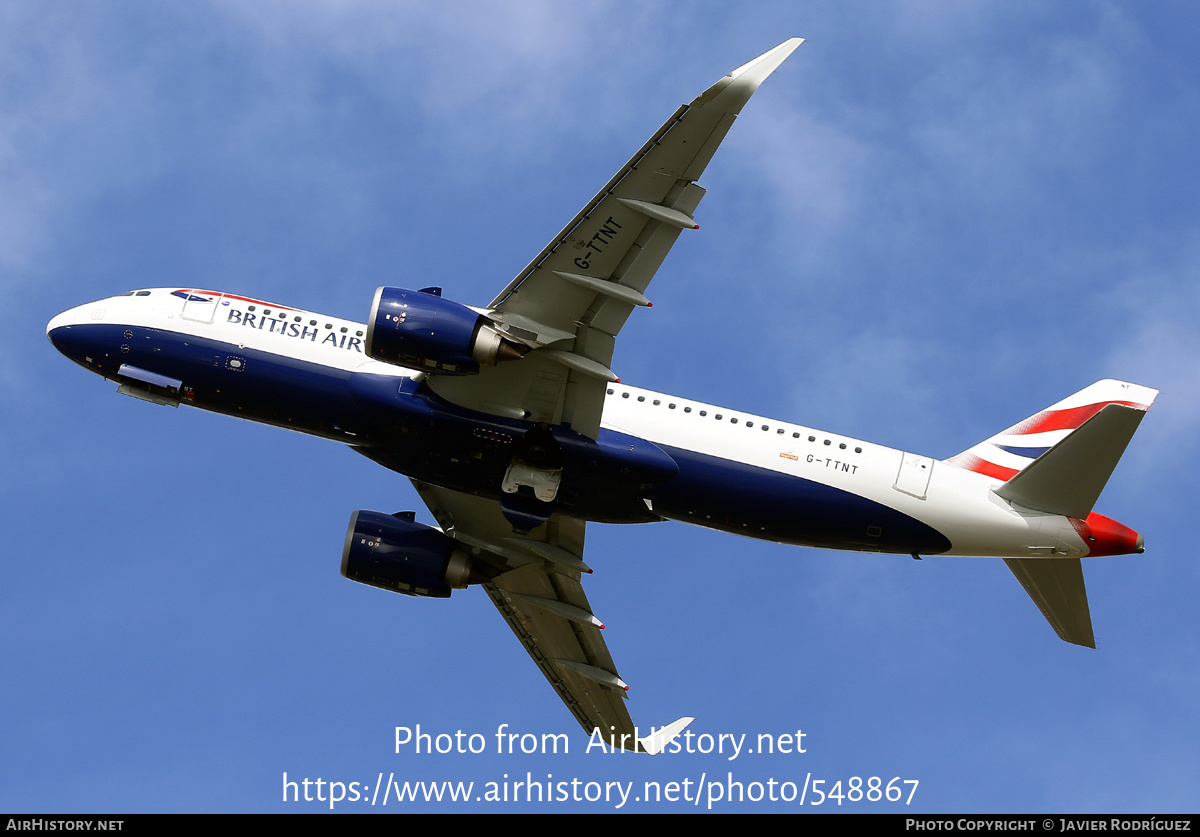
(1058, 461)
(1011, 451)
(1068, 478)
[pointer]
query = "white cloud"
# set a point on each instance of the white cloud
(1159, 346)
(70, 123)
(467, 67)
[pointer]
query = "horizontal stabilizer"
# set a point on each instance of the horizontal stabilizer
(1056, 587)
(1068, 478)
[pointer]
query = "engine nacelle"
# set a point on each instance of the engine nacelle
(395, 553)
(421, 330)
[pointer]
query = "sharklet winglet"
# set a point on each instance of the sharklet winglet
(660, 739)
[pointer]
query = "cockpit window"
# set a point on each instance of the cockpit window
(143, 293)
(190, 296)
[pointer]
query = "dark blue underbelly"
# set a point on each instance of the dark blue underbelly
(747, 500)
(405, 427)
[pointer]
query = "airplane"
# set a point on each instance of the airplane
(516, 433)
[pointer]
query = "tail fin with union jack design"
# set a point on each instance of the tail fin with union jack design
(1011, 451)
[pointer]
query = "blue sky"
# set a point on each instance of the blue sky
(934, 220)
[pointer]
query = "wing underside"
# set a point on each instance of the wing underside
(540, 596)
(573, 298)
(565, 309)
(570, 652)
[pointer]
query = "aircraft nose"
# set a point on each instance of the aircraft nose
(56, 328)
(63, 319)
(69, 333)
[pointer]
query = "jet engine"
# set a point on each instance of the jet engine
(394, 552)
(420, 330)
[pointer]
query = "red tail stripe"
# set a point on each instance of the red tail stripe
(1064, 419)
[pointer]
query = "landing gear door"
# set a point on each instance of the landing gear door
(200, 306)
(913, 478)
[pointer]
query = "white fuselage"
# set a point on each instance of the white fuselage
(956, 502)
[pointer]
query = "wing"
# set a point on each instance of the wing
(540, 597)
(567, 307)
(571, 301)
